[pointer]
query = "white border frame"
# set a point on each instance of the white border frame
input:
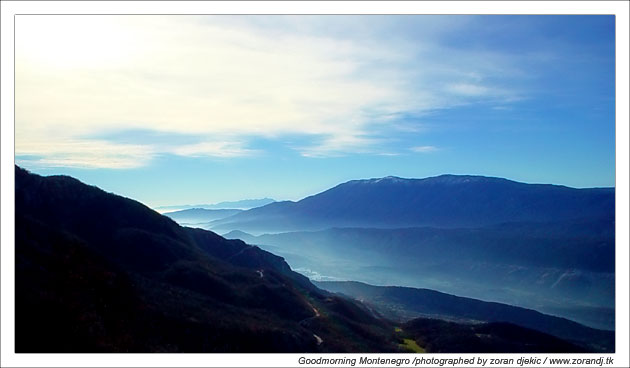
(10, 8)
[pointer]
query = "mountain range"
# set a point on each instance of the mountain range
(447, 201)
(198, 217)
(545, 247)
(96, 272)
(243, 204)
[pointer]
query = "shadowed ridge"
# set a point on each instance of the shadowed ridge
(96, 272)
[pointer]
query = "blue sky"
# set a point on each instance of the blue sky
(194, 109)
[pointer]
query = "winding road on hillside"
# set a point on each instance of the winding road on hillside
(316, 315)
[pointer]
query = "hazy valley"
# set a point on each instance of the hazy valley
(546, 247)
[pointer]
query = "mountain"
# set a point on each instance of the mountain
(445, 201)
(199, 216)
(402, 303)
(96, 272)
(564, 268)
(243, 204)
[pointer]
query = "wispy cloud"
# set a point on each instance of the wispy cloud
(241, 77)
(84, 154)
(213, 149)
(468, 89)
(424, 149)
(92, 153)
(338, 145)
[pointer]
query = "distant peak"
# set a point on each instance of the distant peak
(384, 180)
(440, 179)
(456, 179)
(391, 179)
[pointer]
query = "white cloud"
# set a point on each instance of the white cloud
(468, 89)
(337, 145)
(424, 149)
(77, 76)
(214, 149)
(84, 154)
(91, 153)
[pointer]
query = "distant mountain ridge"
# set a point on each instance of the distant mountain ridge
(199, 216)
(243, 204)
(551, 245)
(442, 201)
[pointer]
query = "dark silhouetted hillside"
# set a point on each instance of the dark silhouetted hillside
(437, 336)
(96, 272)
(407, 303)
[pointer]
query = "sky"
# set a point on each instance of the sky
(173, 110)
